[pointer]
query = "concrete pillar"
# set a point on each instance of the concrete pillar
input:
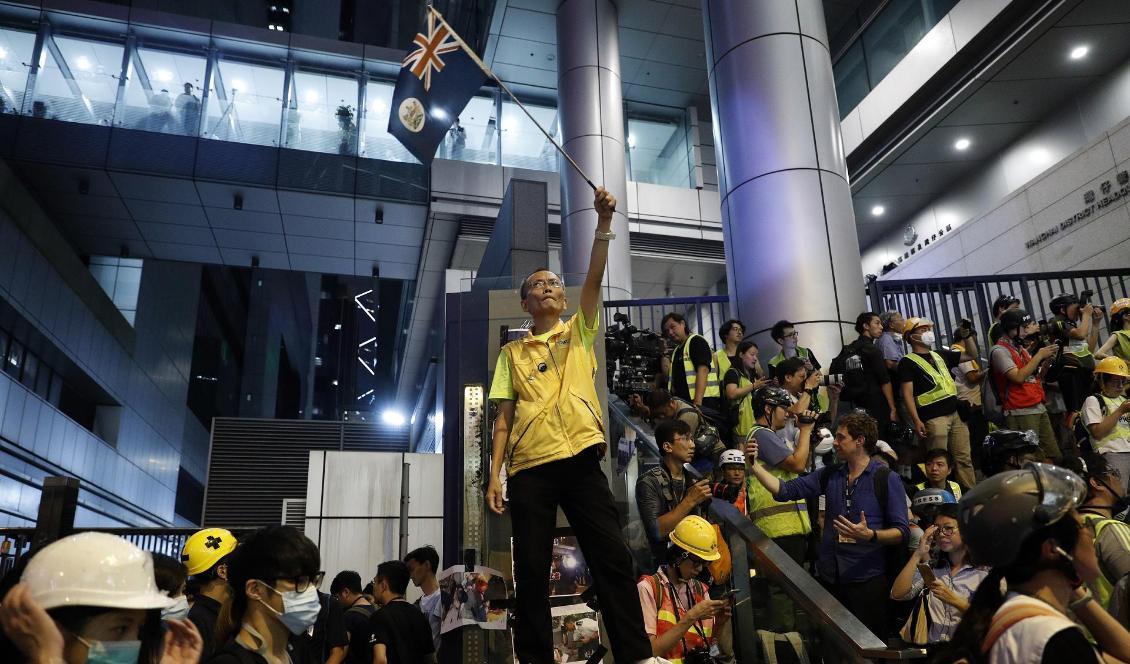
(791, 245)
(592, 129)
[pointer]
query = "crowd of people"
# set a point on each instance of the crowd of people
(96, 598)
(910, 482)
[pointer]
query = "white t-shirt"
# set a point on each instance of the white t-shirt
(1024, 642)
(1092, 414)
(431, 608)
(965, 391)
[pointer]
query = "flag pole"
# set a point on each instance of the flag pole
(482, 65)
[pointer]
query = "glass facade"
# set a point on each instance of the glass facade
(246, 104)
(321, 113)
(163, 91)
(16, 55)
(657, 152)
(120, 278)
(523, 144)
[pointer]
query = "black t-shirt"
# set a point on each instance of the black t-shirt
(909, 372)
(701, 355)
(360, 633)
(204, 613)
(233, 653)
(329, 631)
(404, 631)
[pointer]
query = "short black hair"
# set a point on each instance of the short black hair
(169, 573)
(666, 431)
(675, 316)
(942, 453)
(268, 554)
(657, 398)
(729, 325)
(347, 580)
(789, 367)
(950, 510)
(863, 319)
(778, 331)
(425, 554)
(524, 289)
(395, 574)
(368, 589)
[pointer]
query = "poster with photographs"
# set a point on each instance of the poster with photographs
(471, 598)
(568, 572)
(576, 634)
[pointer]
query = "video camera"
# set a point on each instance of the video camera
(633, 357)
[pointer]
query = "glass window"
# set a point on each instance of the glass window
(376, 142)
(16, 48)
(3, 344)
(523, 144)
(56, 392)
(323, 114)
(851, 79)
(15, 360)
(78, 80)
(892, 34)
(163, 91)
(31, 370)
(120, 278)
(245, 104)
(43, 382)
(472, 135)
(657, 152)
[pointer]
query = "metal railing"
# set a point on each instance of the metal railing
(705, 314)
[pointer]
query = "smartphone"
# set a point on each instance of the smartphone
(726, 595)
(927, 573)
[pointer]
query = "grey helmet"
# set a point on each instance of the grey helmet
(998, 514)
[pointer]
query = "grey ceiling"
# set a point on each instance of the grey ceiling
(1037, 81)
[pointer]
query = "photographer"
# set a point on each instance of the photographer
(1075, 327)
(786, 336)
(1001, 305)
(679, 615)
(553, 460)
(1106, 415)
(738, 383)
(800, 384)
(1017, 380)
(967, 376)
(867, 382)
(664, 494)
(1118, 344)
(930, 395)
(692, 369)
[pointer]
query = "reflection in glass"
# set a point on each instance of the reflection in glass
(472, 135)
(245, 104)
(657, 152)
(851, 78)
(376, 142)
(163, 92)
(523, 144)
(78, 80)
(15, 59)
(322, 116)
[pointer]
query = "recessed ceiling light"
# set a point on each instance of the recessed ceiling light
(962, 144)
(82, 62)
(163, 75)
(439, 114)
(1080, 52)
(311, 96)
(878, 211)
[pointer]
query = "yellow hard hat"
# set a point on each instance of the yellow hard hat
(911, 323)
(205, 548)
(696, 536)
(1113, 366)
(1120, 305)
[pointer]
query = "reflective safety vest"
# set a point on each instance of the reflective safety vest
(1101, 586)
(1121, 427)
(712, 377)
(801, 352)
(722, 361)
(939, 374)
(775, 519)
(744, 409)
(1122, 347)
(1013, 396)
(666, 620)
(953, 488)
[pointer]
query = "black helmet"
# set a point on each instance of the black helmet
(1061, 302)
(998, 514)
(771, 395)
(897, 434)
(1004, 302)
(1014, 319)
(1003, 443)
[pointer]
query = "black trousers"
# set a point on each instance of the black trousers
(867, 600)
(579, 486)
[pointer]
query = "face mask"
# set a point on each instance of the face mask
(300, 610)
(111, 652)
(178, 611)
(928, 337)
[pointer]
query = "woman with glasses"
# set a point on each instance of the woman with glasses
(952, 581)
(678, 614)
(274, 578)
(1106, 414)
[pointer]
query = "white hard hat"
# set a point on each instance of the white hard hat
(94, 569)
(826, 440)
(587, 627)
(731, 456)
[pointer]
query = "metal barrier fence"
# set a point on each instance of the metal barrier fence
(705, 314)
(947, 301)
(16, 542)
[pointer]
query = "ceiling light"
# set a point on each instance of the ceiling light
(237, 84)
(163, 75)
(1080, 52)
(393, 418)
(878, 211)
(82, 62)
(962, 144)
(311, 96)
(439, 114)
(3, 53)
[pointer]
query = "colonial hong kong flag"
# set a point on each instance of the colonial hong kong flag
(437, 79)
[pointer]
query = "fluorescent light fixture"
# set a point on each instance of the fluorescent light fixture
(878, 210)
(1080, 52)
(82, 62)
(962, 144)
(393, 418)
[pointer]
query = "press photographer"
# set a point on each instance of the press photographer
(1075, 327)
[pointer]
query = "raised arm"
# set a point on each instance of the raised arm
(605, 204)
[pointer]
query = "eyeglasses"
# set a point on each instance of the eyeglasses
(793, 335)
(947, 530)
(542, 283)
(303, 583)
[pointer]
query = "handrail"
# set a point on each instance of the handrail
(644, 438)
(847, 631)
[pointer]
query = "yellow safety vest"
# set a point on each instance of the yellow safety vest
(723, 361)
(744, 408)
(1121, 428)
(712, 380)
(944, 386)
(954, 488)
(1101, 586)
(775, 519)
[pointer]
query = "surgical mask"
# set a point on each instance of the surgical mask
(178, 611)
(300, 609)
(928, 337)
(111, 652)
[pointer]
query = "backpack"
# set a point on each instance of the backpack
(1082, 434)
(707, 442)
(849, 363)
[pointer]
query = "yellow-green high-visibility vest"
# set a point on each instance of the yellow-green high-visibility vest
(712, 380)
(939, 373)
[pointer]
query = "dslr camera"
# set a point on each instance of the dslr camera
(699, 655)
